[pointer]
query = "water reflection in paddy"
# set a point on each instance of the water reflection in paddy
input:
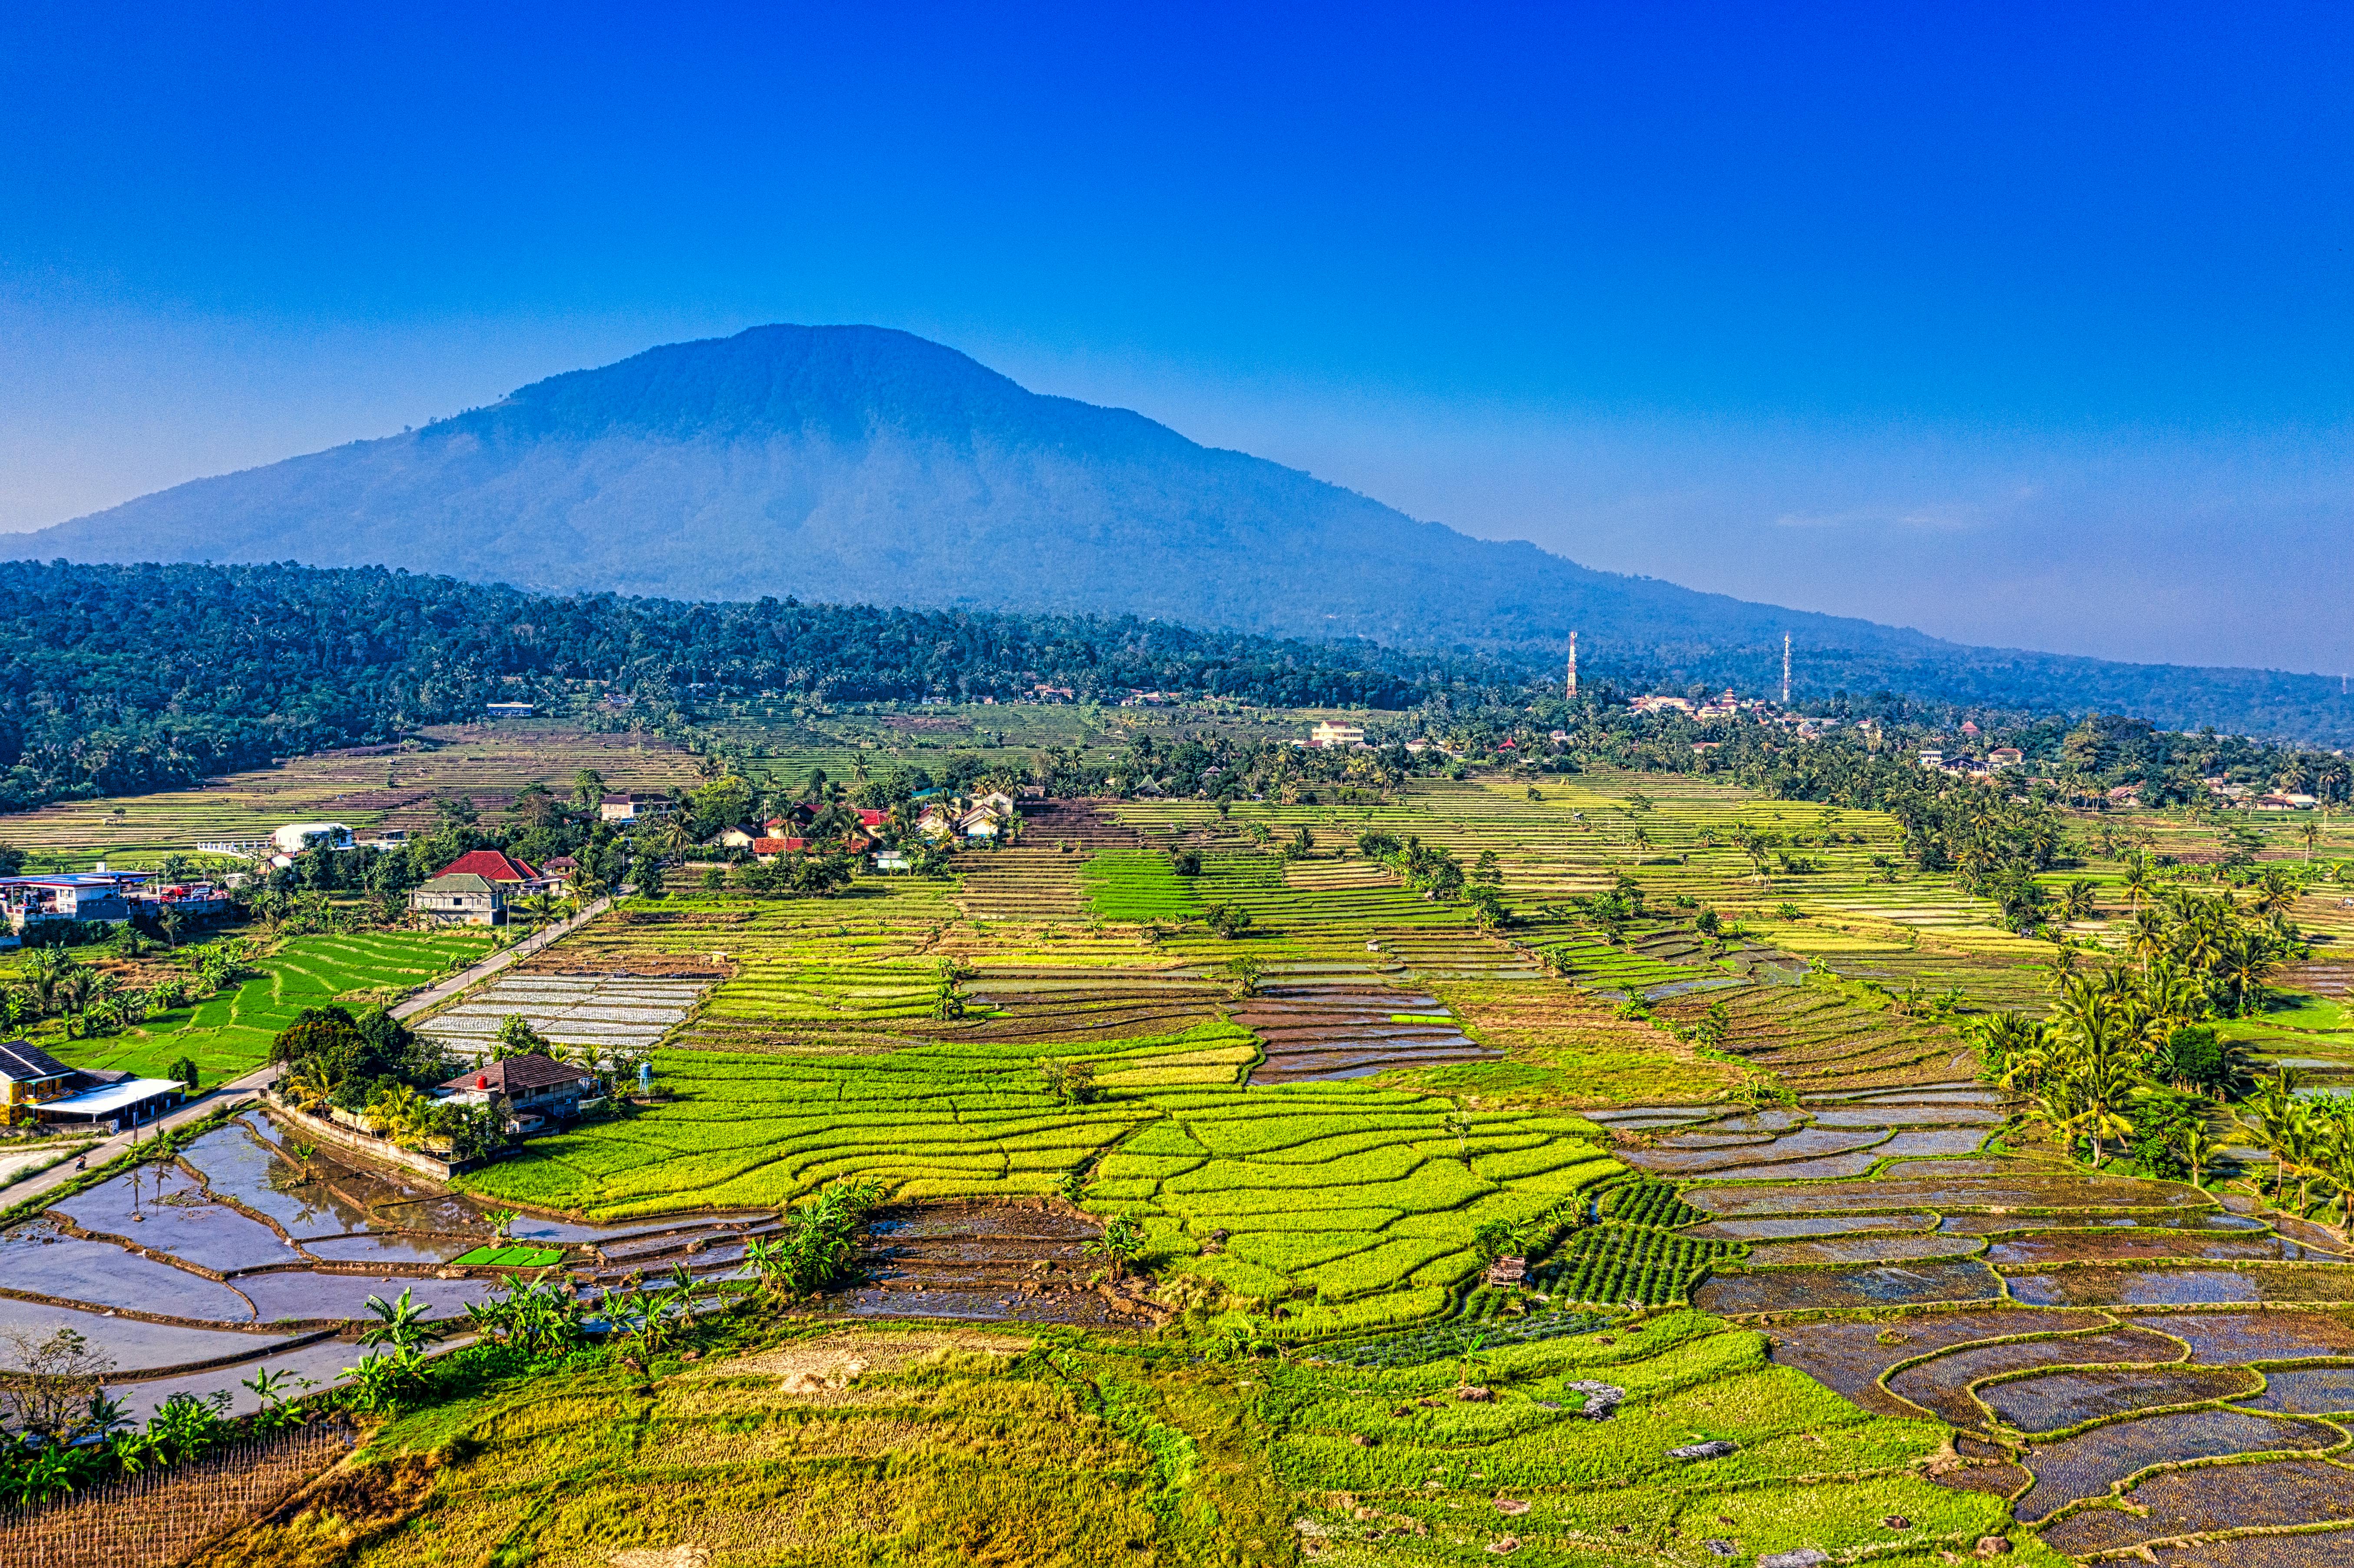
(37, 1259)
(390, 1248)
(174, 1214)
(247, 1163)
(133, 1345)
(302, 1296)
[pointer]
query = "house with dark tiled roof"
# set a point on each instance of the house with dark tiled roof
(29, 1074)
(531, 1086)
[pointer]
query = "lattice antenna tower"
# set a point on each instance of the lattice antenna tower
(1572, 666)
(1785, 669)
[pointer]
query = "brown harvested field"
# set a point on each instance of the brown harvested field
(372, 788)
(1567, 1048)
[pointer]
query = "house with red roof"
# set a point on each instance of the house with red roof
(474, 889)
(492, 865)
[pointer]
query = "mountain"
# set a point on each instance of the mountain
(860, 464)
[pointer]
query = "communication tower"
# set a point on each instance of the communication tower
(1572, 665)
(1785, 669)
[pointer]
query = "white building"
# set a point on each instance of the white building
(296, 837)
(1327, 733)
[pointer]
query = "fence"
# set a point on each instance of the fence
(157, 1518)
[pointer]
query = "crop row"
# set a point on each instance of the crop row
(1614, 1263)
(1647, 1202)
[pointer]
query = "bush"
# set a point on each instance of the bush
(1228, 920)
(1071, 1083)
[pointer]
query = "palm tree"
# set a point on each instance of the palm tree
(2100, 1066)
(588, 789)
(2076, 901)
(2265, 1121)
(2197, 1145)
(2246, 963)
(311, 1081)
(2137, 881)
(2337, 1160)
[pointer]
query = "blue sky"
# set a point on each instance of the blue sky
(2023, 324)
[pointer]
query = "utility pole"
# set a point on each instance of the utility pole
(1572, 666)
(1785, 669)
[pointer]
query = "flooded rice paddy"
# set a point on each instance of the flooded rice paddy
(1899, 1257)
(249, 1251)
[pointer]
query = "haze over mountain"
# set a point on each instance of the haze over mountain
(867, 465)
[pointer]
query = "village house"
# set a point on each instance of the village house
(68, 895)
(459, 900)
(2003, 756)
(618, 808)
(506, 710)
(28, 1076)
(36, 1087)
(1328, 733)
(475, 889)
(534, 1089)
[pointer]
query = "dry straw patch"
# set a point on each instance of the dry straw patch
(837, 1361)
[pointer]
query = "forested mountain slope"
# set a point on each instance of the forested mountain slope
(861, 465)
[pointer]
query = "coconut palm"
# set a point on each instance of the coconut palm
(2077, 901)
(2135, 881)
(2247, 961)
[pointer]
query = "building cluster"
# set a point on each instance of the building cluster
(2248, 798)
(281, 847)
(1972, 764)
(110, 897)
(1729, 707)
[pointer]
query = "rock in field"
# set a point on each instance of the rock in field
(1716, 1448)
(1601, 1399)
(1804, 1557)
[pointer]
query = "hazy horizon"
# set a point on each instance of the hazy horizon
(2020, 329)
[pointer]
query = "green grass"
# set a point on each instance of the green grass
(510, 1257)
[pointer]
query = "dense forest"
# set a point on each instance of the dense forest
(116, 679)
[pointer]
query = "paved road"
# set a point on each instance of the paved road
(243, 1088)
(465, 978)
(206, 1103)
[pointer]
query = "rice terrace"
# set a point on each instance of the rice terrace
(1583, 1150)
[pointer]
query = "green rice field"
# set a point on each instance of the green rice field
(228, 1035)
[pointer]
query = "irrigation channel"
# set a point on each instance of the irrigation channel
(2135, 1362)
